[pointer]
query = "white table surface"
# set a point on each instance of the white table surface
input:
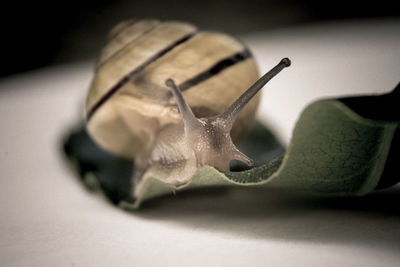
(48, 219)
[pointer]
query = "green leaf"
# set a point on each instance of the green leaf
(337, 146)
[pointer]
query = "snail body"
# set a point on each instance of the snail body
(152, 83)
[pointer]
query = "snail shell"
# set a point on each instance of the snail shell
(212, 70)
(131, 110)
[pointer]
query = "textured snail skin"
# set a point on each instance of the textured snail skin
(132, 113)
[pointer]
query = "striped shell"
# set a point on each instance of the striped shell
(128, 103)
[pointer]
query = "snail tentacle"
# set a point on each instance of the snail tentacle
(242, 157)
(189, 119)
(230, 114)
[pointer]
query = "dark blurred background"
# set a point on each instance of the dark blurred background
(35, 35)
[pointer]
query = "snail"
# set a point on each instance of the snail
(162, 95)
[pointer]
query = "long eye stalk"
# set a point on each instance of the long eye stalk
(231, 113)
(189, 120)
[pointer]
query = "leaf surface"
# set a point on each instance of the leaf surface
(337, 146)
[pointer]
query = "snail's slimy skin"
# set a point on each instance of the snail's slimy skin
(182, 149)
